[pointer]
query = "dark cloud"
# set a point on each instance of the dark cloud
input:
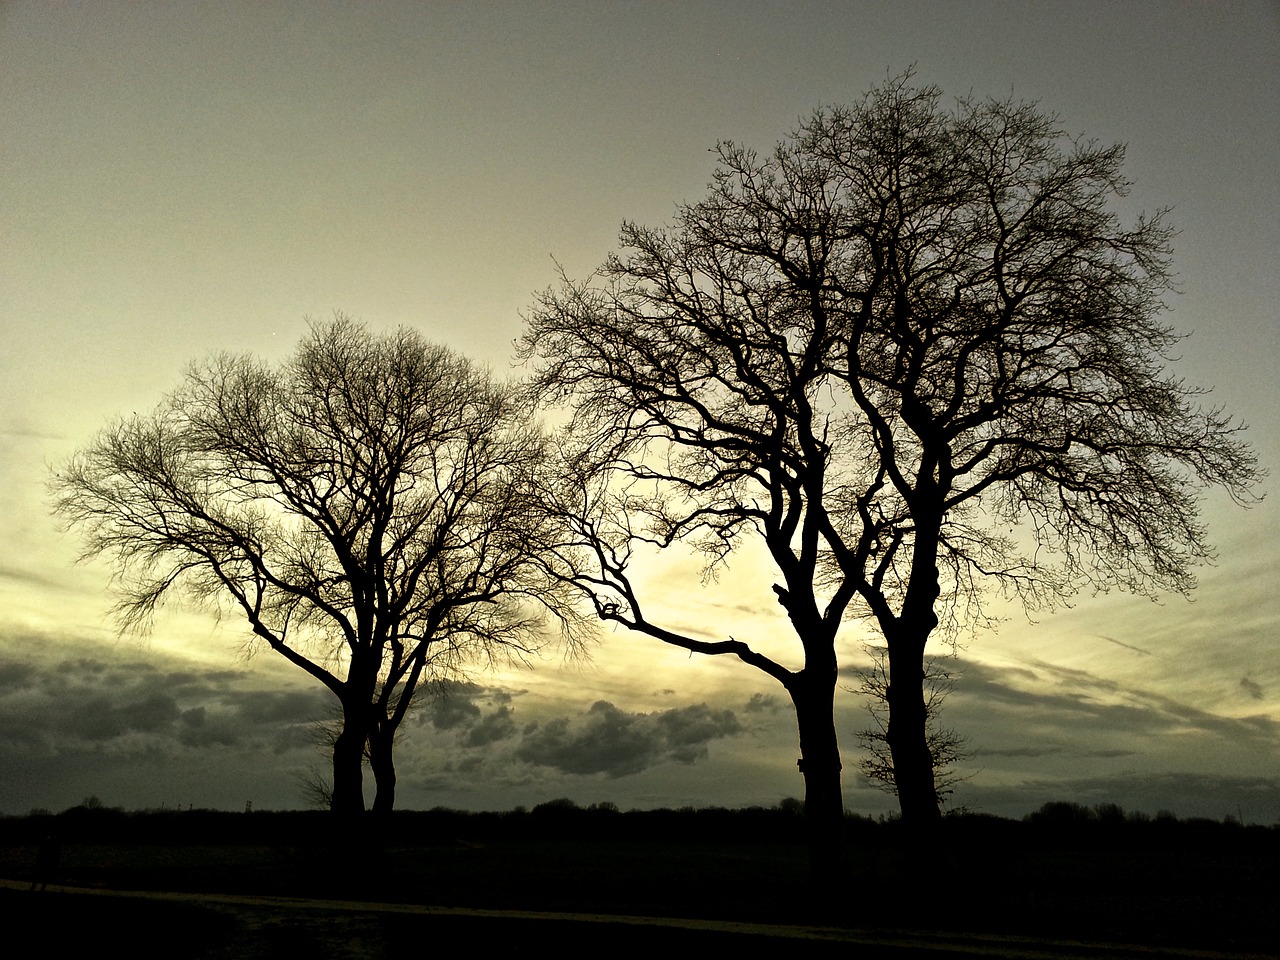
(142, 734)
(1251, 687)
(1154, 712)
(457, 705)
(606, 741)
(200, 728)
(448, 713)
(763, 703)
(611, 741)
(99, 718)
(16, 676)
(1052, 750)
(490, 728)
(688, 730)
(279, 706)
(272, 720)
(1042, 732)
(116, 700)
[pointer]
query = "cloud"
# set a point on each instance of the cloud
(457, 705)
(451, 712)
(763, 703)
(688, 730)
(200, 728)
(1040, 732)
(259, 707)
(108, 697)
(1082, 706)
(1046, 751)
(1127, 646)
(23, 429)
(98, 718)
(1251, 687)
(140, 726)
(15, 675)
(29, 578)
(491, 727)
(613, 742)
(1145, 710)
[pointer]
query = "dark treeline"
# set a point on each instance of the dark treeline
(565, 819)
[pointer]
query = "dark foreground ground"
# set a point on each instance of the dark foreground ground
(983, 887)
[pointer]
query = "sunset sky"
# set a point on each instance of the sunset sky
(183, 178)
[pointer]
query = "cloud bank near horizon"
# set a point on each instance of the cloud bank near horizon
(141, 728)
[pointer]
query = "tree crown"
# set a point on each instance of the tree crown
(883, 346)
(368, 500)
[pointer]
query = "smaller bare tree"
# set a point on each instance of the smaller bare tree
(367, 506)
(947, 747)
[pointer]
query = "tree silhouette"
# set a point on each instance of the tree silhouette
(366, 506)
(698, 416)
(946, 746)
(913, 352)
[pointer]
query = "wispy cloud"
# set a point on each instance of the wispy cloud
(1251, 687)
(24, 431)
(30, 578)
(1127, 646)
(1041, 710)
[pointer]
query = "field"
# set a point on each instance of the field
(1164, 885)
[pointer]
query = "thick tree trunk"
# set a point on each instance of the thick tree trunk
(348, 764)
(384, 771)
(913, 767)
(908, 734)
(814, 699)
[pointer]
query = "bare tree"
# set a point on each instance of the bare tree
(702, 413)
(947, 747)
(366, 506)
(914, 352)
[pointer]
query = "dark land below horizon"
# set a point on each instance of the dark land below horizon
(1064, 873)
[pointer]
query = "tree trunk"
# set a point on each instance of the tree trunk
(384, 771)
(908, 734)
(814, 699)
(348, 764)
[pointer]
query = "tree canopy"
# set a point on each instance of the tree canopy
(366, 506)
(915, 351)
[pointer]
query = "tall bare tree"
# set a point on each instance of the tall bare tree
(914, 352)
(365, 505)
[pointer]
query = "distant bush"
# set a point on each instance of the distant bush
(1060, 812)
(792, 806)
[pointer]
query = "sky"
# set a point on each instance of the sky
(178, 179)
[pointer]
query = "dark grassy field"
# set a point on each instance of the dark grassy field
(1065, 874)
